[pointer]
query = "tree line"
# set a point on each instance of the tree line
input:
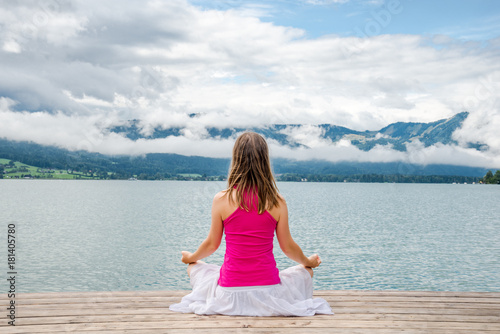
(378, 178)
(156, 166)
(491, 178)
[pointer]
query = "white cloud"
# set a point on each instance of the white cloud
(89, 63)
(11, 46)
(310, 136)
(30, 21)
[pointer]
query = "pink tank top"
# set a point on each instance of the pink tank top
(249, 258)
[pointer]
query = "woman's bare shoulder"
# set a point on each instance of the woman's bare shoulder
(279, 210)
(281, 200)
(220, 195)
(222, 205)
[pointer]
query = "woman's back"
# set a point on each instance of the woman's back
(249, 258)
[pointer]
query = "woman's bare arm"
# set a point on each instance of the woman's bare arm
(288, 245)
(213, 240)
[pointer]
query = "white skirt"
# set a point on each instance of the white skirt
(292, 297)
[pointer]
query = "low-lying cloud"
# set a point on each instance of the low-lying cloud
(91, 133)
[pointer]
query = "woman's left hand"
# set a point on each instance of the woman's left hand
(314, 261)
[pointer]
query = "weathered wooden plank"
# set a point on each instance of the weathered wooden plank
(406, 293)
(448, 304)
(288, 331)
(135, 303)
(259, 323)
(316, 293)
(38, 312)
(295, 331)
(69, 297)
(266, 331)
(58, 319)
(174, 299)
(83, 294)
(421, 299)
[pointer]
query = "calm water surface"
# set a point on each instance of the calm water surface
(124, 235)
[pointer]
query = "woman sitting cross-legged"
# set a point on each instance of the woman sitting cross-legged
(249, 212)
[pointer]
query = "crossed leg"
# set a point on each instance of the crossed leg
(191, 265)
(309, 269)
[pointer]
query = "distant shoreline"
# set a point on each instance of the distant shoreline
(469, 180)
(10, 169)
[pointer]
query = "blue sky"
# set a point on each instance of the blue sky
(466, 20)
(73, 70)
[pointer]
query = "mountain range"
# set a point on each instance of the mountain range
(397, 135)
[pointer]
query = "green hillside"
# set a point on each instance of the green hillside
(38, 161)
(18, 170)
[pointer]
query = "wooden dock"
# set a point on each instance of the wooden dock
(355, 312)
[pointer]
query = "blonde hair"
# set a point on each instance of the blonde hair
(250, 172)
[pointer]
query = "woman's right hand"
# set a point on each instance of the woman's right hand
(187, 257)
(314, 261)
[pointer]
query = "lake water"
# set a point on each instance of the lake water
(125, 235)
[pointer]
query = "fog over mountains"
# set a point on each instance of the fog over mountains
(397, 136)
(408, 139)
(402, 147)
